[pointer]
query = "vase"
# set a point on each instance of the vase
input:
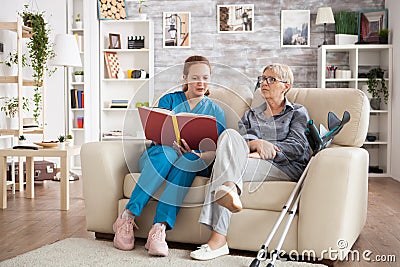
(11, 123)
(383, 40)
(342, 39)
(375, 103)
(61, 145)
(78, 24)
(142, 16)
(78, 78)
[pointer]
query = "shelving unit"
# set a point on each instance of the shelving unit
(80, 135)
(134, 90)
(359, 59)
(21, 83)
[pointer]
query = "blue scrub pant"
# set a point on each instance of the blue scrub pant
(158, 164)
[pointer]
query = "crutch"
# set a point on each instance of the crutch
(317, 143)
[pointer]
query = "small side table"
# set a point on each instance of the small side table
(63, 154)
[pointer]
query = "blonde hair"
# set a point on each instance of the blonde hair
(283, 71)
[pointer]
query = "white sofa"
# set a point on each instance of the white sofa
(333, 204)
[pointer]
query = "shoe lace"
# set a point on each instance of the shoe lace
(158, 235)
(130, 225)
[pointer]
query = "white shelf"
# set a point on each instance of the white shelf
(124, 80)
(78, 83)
(81, 135)
(378, 175)
(378, 111)
(136, 90)
(361, 58)
(127, 50)
(375, 143)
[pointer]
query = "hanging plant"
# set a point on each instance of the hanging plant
(40, 52)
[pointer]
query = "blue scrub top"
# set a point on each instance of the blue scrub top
(177, 102)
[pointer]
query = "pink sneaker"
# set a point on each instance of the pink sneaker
(124, 238)
(156, 243)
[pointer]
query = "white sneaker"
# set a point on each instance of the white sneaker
(228, 198)
(205, 253)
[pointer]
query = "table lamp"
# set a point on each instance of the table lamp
(324, 16)
(66, 55)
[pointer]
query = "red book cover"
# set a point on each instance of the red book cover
(199, 131)
(83, 99)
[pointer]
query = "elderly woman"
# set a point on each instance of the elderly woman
(271, 146)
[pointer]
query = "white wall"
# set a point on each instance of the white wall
(56, 17)
(394, 28)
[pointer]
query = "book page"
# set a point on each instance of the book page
(188, 114)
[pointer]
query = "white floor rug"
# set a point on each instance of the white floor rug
(86, 252)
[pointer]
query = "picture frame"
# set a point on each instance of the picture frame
(237, 18)
(115, 41)
(295, 28)
(370, 22)
(111, 10)
(176, 30)
(112, 64)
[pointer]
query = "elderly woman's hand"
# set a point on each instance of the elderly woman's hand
(265, 149)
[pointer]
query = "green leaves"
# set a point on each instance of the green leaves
(377, 88)
(10, 105)
(346, 22)
(40, 51)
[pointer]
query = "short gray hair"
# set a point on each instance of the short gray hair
(283, 71)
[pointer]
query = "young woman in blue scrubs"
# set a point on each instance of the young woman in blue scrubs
(177, 165)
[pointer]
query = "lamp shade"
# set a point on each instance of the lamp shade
(66, 50)
(324, 15)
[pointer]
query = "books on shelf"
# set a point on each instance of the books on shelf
(77, 98)
(164, 127)
(119, 103)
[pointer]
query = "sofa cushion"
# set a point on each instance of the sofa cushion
(319, 101)
(256, 195)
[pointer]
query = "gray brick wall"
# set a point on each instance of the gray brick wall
(247, 52)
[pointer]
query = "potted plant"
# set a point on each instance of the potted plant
(142, 16)
(10, 109)
(346, 23)
(11, 61)
(40, 51)
(377, 87)
(78, 22)
(69, 139)
(383, 35)
(78, 76)
(61, 141)
(21, 140)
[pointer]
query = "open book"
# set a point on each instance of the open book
(164, 127)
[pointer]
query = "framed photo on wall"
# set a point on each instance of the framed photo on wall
(115, 41)
(235, 18)
(295, 28)
(176, 30)
(370, 22)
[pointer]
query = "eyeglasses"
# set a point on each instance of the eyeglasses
(269, 80)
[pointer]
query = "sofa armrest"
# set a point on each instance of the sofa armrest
(333, 204)
(104, 166)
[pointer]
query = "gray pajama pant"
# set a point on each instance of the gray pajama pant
(232, 164)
